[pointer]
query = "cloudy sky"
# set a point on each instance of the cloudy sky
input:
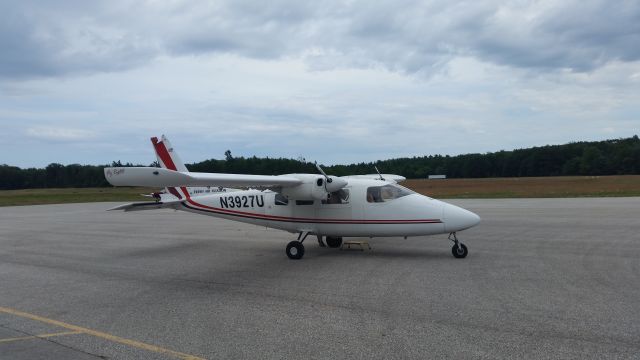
(334, 81)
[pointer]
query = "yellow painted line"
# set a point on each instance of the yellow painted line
(103, 335)
(43, 336)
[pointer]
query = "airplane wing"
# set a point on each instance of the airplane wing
(159, 177)
(389, 177)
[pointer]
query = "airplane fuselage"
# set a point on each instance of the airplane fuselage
(354, 212)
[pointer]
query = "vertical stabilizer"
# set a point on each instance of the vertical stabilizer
(167, 157)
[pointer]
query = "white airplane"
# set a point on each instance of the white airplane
(307, 204)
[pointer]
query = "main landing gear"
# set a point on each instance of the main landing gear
(334, 241)
(459, 250)
(295, 249)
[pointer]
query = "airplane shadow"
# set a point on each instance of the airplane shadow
(382, 253)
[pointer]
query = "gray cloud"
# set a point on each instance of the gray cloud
(70, 37)
(575, 35)
(52, 39)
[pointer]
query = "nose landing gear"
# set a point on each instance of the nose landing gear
(459, 250)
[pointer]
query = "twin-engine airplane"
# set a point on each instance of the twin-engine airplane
(308, 204)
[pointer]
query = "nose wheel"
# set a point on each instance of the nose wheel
(459, 250)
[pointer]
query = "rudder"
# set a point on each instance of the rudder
(167, 157)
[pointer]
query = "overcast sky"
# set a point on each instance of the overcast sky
(338, 82)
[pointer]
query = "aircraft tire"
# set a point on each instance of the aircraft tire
(295, 250)
(459, 253)
(334, 241)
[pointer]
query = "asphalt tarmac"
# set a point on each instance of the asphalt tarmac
(545, 278)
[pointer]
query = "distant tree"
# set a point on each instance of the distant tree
(609, 157)
(592, 161)
(571, 167)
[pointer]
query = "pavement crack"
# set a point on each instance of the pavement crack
(35, 336)
(76, 349)
(6, 326)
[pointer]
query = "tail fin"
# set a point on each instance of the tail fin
(167, 157)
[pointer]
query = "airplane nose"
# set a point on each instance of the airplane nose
(457, 218)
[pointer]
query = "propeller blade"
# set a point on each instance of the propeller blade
(330, 185)
(327, 178)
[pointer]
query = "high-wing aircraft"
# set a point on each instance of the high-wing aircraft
(328, 207)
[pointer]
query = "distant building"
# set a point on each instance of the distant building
(433, 177)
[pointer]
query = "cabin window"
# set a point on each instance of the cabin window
(338, 197)
(386, 193)
(304, 202)
(281, 199)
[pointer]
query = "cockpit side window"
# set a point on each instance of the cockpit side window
(376, 194)
(281, 199)
(373, 194)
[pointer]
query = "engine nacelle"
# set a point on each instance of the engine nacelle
(314, 188)
(335, 183)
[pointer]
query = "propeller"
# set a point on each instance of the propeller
(331, 184)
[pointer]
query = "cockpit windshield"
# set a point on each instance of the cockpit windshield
(386, 193)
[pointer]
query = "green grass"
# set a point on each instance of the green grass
(514, 195)
(487, 188)
(529, 187)
(71, 195)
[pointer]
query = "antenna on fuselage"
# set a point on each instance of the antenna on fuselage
(378, 171)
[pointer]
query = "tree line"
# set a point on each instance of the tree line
(608, 157)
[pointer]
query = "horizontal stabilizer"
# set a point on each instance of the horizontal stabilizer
(150, 205)
(158, 177)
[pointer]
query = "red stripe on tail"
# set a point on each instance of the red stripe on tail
(163, 154)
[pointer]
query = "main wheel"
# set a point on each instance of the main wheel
(295, 250)
(461, 252)
(334, 241)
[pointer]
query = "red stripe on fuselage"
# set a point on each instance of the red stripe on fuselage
(174, 192)
(221, 211)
